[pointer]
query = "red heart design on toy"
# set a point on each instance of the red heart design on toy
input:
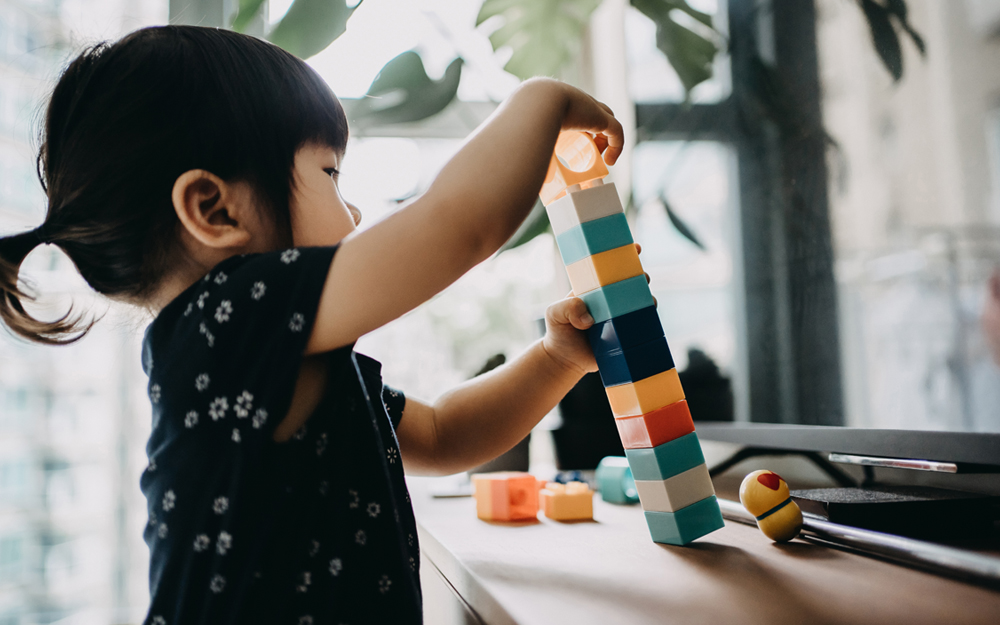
(771, 480)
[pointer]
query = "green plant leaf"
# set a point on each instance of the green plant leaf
(884, 37)
(898, 8)
(689, 53)
(310, 26)
(535, 224)
(543, 34)
(246, 11)
(402, 92)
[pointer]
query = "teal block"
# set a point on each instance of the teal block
(620, 298)
(687, 524)
(666, 460)
(594, 237)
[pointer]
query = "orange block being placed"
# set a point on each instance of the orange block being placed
(576, 161)
(567, 502)
(505, 496)
(655, 428)
(605, 268)
(646, 395)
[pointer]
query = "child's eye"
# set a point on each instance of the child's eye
(332, 171)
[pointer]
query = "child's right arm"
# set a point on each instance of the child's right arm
(472, 208)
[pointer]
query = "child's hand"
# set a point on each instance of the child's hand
(565, 340)
(587, 114)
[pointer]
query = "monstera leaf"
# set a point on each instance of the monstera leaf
(544, 34)
(403, 92)
(307, 28)
(689, 53)
(883, 20)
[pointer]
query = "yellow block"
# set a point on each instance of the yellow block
(567, 502)
(646, 395)
(605, 268)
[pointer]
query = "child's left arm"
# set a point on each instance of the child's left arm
(486, 416)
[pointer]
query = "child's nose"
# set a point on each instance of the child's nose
(355, 213)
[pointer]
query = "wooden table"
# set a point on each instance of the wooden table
(608, 571)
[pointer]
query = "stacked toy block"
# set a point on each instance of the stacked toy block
(636, 367)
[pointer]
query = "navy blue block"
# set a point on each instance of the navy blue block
(634, 363)
(618, 333)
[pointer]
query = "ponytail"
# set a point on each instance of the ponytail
(66, 329)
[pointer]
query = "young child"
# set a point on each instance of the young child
(193, 172)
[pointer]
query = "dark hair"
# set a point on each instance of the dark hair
(126, 119)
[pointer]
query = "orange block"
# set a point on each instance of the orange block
(576, 161)
(567, 502)
(646, 395)
(605, 268)
(657, 427)
(505, 496)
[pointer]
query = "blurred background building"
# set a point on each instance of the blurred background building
(872, 322)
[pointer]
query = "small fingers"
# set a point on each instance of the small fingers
(571, 311)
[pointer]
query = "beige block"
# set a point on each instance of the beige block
(679, 491)
(582, 206)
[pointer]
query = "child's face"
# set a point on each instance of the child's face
(319, 214)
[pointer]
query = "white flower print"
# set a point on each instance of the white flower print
(290, 256)
(324, 488)
(314, 549)
(191, 419)
(360, 537)
(217, 409)
(383, 584)
(152, 518)
(236, 436)
(223, 543)
(202, 298)
(374, 509)
(305, 580)
(169, 500)
(158, 620)
(259, 418)
(305, 620)
(218, 584)
(243, 404)
(223, 311)
(258, 290)
(336, 566)
(221, 278)
(321, 444)
(354, 499)
(162, 530)
(392, 455)
(209, 337)
(189, 309)
(297, 323)
(413, 564)
(201, 542)
(409, 539)
(220, 505)
(151, 467)
(208, 276)
(154, 393)
(300, 434)
(201, 382)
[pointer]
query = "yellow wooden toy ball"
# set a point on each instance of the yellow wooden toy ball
(765, 495)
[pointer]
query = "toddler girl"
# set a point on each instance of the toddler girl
(193, 172)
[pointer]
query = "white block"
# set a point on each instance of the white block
(679, 491)
(582, 206)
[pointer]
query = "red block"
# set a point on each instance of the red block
(657, 427)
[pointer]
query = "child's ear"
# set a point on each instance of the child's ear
(211, 210)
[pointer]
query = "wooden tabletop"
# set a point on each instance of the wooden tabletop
(609, 571)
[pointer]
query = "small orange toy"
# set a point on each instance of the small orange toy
(567, 502)
(505, 496)
(765, 495)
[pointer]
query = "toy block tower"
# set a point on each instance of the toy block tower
(636, 367)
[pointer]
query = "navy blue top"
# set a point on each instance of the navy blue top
(246, 530)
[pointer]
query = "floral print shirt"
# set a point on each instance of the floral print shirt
(246, 530)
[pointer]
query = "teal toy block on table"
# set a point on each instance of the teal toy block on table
(628, 342)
